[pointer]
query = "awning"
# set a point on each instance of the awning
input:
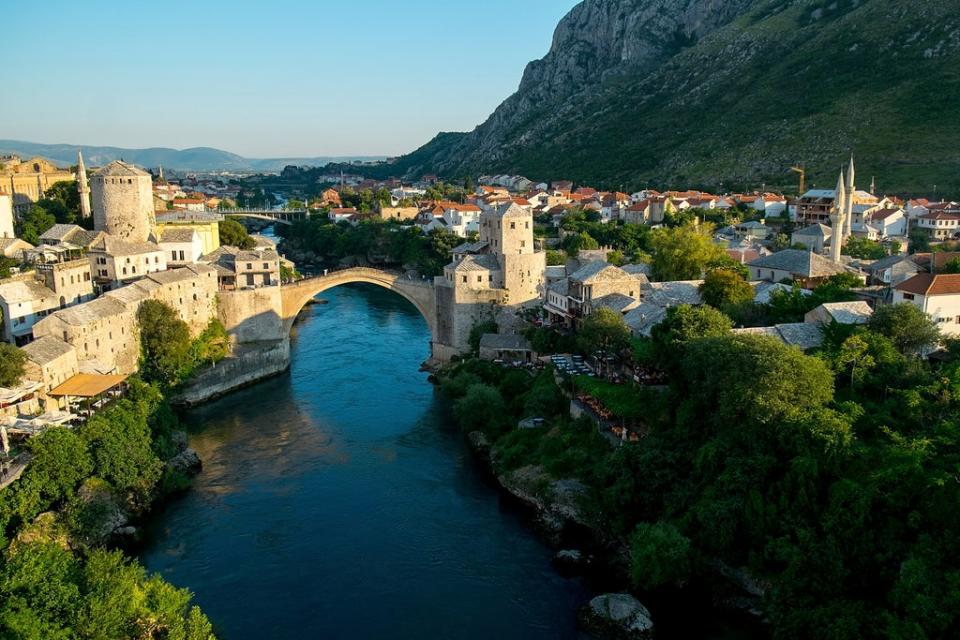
(87, 385)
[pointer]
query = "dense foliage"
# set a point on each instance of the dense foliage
(168, 355)
(234, 234)
(59, 204)
(56, 578)
(373, 241)
(12, 360)
(831, 478)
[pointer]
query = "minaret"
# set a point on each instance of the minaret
(83, 187)
(160, 178)
(837, 220)
(848, 204)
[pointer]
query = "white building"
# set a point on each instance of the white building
(6, 215)
(182, 246)
(940, 225)
(22, 304)
(936, 295)
(115, 261)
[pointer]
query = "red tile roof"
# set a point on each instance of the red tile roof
(926, 284)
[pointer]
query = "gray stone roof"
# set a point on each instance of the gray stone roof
(513, 211)
(482, 262)
(799, 262)
(559, 287)
(504, 342)
(858, 312)
(615, 301)
(799, 334)
(602, 271)
(99, 309)
(817, 229)
(470, 247)
(119, 168)
(890, 261)
(59, 233)
(177, 234)
(46, 349)
(113, 246)
(184, 216)
(15, 291)
(637, 269)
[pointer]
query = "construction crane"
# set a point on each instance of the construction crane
(803, 177)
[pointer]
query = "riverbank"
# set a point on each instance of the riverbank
(556, 472)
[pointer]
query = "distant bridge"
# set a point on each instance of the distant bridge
(420, 293)
(286, 217)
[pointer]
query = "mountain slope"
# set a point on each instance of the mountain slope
(697, 92)
(194, 159)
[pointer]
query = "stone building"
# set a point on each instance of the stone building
(245, 269)
(502, 268)
(26, 181)
(182, 246)
(51, 362)
(28, 298)
(595, 285)
(104, 331)
(123, 201)
(115, 261)
(6, 215)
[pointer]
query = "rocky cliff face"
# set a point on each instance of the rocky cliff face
(650, 91)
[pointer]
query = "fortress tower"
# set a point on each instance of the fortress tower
(83, 187)
(509, 233)
(123, 201)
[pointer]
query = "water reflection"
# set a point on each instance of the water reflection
(338, 501)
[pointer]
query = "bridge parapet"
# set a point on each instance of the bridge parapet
(420, 293)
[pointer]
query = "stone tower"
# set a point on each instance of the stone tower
(83, 187)
(6, 214)
(123, 201)
(838, 220)
(509, 233)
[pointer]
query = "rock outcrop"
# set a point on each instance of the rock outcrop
(617, 615)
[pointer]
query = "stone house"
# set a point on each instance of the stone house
(815, 237)
(115, 261)
(245, 269)
(51, 362)
(207, 226)
(804, 267)
(594, 285)
(182, 246)
(856, 312)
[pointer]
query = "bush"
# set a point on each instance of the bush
(12, 360)
(659, 555)
(481, 409)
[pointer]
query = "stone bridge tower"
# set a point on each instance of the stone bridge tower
(123, 201)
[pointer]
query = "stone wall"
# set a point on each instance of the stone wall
(253, 315)
(244, 367)
(123, 206)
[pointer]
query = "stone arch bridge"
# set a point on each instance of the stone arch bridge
(420, 293)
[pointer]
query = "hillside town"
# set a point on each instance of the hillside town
(71, 297)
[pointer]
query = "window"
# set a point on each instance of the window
(523, 243)
(909, 296)
(86, 276)
(527, 224)
(173, 255)
(124, 271)
(464, 279)
(513, 225)
(479, 278)
(249, 266)
(266, 266)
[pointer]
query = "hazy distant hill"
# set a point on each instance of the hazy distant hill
(699, 92)
(195, 159)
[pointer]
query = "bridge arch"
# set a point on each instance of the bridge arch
(420, 293)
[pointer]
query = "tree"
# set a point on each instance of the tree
(951, 266)
(685, 252)
(12, 361)
(555, 258)
(682, 325)
(234, 234)
(910, 329)
(165, 343)
(603, 330)
(120, 441)
(723, 288)
(919, 240)
(855, 354)
(34, 223)
(482, 408)
(574, 243)
(60, 462)
(864, 248)
(659, 555)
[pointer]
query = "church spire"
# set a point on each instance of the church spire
(82, 186)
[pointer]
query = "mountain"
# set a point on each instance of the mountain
(704, 92)
(195, 159)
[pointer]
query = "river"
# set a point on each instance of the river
(339, 501)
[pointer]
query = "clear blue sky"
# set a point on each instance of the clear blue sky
(264, 78)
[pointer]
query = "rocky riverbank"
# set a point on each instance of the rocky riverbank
(247, 365)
